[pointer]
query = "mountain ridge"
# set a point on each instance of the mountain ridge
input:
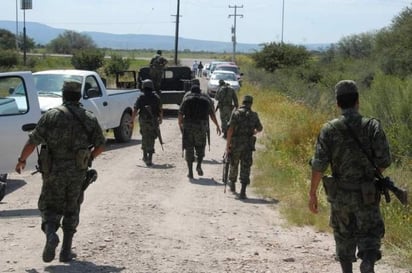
(43, 34)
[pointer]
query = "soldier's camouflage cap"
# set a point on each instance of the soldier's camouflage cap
(345, 87)
(247, 99)
(72, 86)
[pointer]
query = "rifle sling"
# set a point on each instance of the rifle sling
(353, 135)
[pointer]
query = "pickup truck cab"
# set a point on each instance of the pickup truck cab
(25, 96)
(16, 118)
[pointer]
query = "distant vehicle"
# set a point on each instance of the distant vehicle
(231, 67)
(213, 65)
(228, 76)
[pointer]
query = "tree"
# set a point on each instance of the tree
(30, 43)
(70, 41)
(394, 45)
(7, 39)
(274, 56)
(90, 59)
(356, 46)
(116, 64)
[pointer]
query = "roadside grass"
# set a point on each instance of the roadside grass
(281, 169)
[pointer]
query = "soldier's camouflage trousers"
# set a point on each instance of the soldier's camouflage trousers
(60, 194)
(148, 132)
(242, 157)
(355, 225)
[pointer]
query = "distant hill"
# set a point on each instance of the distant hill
(43, 34)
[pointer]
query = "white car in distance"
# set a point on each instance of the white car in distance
(229, 78)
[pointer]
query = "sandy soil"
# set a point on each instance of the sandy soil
(140, 219)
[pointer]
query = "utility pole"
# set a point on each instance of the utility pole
(25, 4)
(177, 30)
(235, 15)
(283, 19)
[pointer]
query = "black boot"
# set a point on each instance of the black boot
(190, 167)
(199, 168)
(368, 262)
(144, 157)
(66, 254)
(243, 192)
(52, 240)
(232, 185)
(346, 266)
(149, 159)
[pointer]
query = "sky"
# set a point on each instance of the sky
(257, 21)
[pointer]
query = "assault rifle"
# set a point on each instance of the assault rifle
(385, 184)
(226, 166)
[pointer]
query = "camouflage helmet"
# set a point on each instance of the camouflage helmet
(247, 99)
(71, 85)
(221, 82)
(147, 84)
(195, 89)
(159, 52)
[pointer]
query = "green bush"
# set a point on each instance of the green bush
(8, 58)
(91, 59)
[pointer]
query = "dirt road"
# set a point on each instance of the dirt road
(139, 219)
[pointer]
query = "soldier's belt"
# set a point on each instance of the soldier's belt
(349, 186)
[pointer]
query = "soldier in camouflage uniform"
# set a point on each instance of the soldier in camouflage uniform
(227, 100)
(157, 66)
(244, 124)
(65, 133)
(193, 119)
(356, 219)
(149, 109)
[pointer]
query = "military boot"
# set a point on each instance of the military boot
(199, 167)
(149, 159)
(144, 157)
(190, 168)
(243, 192)
(52, 240)
(368, 262)
(232, 185)
(66, 254)
(346, 266)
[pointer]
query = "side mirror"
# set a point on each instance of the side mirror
(11, 90)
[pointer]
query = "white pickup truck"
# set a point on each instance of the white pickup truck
(24, 96)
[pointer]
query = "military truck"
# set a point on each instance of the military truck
(176, 81)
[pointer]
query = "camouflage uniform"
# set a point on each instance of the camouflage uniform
(64, 136)
(157, 65)
(356, 222)
(227, 100)
(195, 110)
(245, 123)
(148, 121)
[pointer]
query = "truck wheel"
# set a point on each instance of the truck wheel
(2, 190)
(123, 133)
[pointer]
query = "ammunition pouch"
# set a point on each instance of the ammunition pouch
(83, 158)
(330, 186)
(369, 193)
(44, 160)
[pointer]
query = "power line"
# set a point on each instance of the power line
(235, 15)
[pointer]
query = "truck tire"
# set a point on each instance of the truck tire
(123, 133)
(3, 177)
(2, 190)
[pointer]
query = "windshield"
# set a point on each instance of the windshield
(228, 68)
(224, 76)
(52, 83)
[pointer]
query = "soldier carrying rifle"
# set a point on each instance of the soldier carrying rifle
(149, 108)
(65, 133)
(356, 149)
